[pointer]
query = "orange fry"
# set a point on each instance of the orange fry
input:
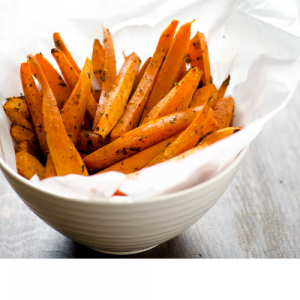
(170, 70)
(132, 115)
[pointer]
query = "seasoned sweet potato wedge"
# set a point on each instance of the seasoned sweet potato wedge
(58, 86)
(35, 104)
(65, 157)
(74, 110)
(72, 77)
(49, 168)
(203, 94)
(59, 44)
(28, 165)
(118, 96)
(110, 72)
(139, 160)
(223, 112)
(98, 61)
(140, 139)
(21, 134)
(139, 76)
(89, 141)
(219, 135)
(223, 87)
(189, 137)
(17, 111)
(184, 89)
(132, 115)
(24, 146)
(170, 70)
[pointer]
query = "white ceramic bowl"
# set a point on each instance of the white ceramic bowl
(124, 228)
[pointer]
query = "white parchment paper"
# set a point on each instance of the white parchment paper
(256, 42)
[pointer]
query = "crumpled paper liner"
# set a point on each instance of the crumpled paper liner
(256, 42)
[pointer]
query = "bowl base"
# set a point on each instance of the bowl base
(125, 252)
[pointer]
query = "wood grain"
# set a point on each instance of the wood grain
(257, 217)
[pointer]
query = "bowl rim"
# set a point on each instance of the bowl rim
(105, 201)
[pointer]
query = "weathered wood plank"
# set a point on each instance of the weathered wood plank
(258, 216)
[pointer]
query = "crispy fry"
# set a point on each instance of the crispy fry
(207, 79)
(65, 157)
(170, 70)
(188, 138)
(28, 165)
(140, 138)
(203, 94)
(219, 135)
(72, 77)
(135, 107)
(224, 112)
(24, 146)
(139, 76)
(223, 87)
(58, 86)
(118, 96)
(139, 160)
(35, 104)
(98, 61)
(184, 89)
(59, 44)
(49, 168)
(74, 110)
(110, 72)
(195, 54)
(21, 134)
(17, 111)
(88, 141)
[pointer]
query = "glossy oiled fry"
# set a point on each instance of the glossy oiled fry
(49, 168)
(118, 96)
(139, 76)
(170, 70)
(58, 86)
(184, 89)
(74, 110)
(17, 110)
(223, 112)
(24, 146)
(140, 138)
(35, 104)
(65, 157)
(189, 137)
(28, 165)
(98, 61)
(72, 77)
(135, 107)
(139, 160)
(88, 141)
(203, 94)
(59, 44)
(223, 87)
(110, 72)
(219, 135)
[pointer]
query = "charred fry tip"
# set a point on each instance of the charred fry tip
(237, 129)
(29, 56)
(124, 53)
(54, 50)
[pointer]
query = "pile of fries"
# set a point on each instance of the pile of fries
(165, 109)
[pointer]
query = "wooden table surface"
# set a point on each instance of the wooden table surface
(257, 217)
